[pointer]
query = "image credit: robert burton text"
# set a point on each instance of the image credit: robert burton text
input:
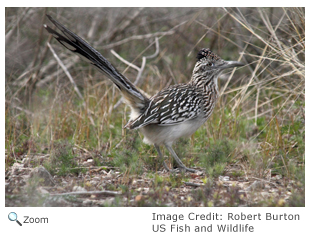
(230, 222)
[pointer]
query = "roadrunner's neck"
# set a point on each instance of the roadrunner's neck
(206, 80)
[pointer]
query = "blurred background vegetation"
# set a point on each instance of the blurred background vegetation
(258, 124)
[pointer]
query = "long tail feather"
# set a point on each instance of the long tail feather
(79, 46)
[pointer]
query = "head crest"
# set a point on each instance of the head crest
(208, 54)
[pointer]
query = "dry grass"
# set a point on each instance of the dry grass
(260, 118)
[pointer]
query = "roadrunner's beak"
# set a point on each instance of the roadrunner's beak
(230, 64)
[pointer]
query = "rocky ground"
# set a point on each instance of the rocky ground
(27, 183)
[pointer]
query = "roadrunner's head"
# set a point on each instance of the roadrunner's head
(209, 64)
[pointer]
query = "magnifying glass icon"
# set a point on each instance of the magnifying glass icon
(13, 217)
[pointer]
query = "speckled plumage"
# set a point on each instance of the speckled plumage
(175, 111)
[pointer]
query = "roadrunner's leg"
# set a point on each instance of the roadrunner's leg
(162, 159)
(177, 159)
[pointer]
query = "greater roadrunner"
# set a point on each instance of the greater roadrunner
(174, 112)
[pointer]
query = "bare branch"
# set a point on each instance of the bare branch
(71, 80)
(106, 192)
(140, 70)
(124, 60)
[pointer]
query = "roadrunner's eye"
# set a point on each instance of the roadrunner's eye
(210, 64)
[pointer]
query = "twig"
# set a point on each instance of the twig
(144, 61)
(69, 62)
(24, 15)
(140, 70)
(193, 184)
(121, 27)
(256, 105)
(66, 71)
(71, 80)
(112, 193)
(93, 168)
(19, 108)
(139, 37)
(265, 181)
(124, 60)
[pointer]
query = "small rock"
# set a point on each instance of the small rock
(107, 202)
(97, 178)
(44, 176)
(88, 163)
(255, 186)
(93, 183)
(138, 198)
(199, 173)
(78, 189)
(17, 168)
(87, 202)
(224, 178)
(42, 190)
(146, 190)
